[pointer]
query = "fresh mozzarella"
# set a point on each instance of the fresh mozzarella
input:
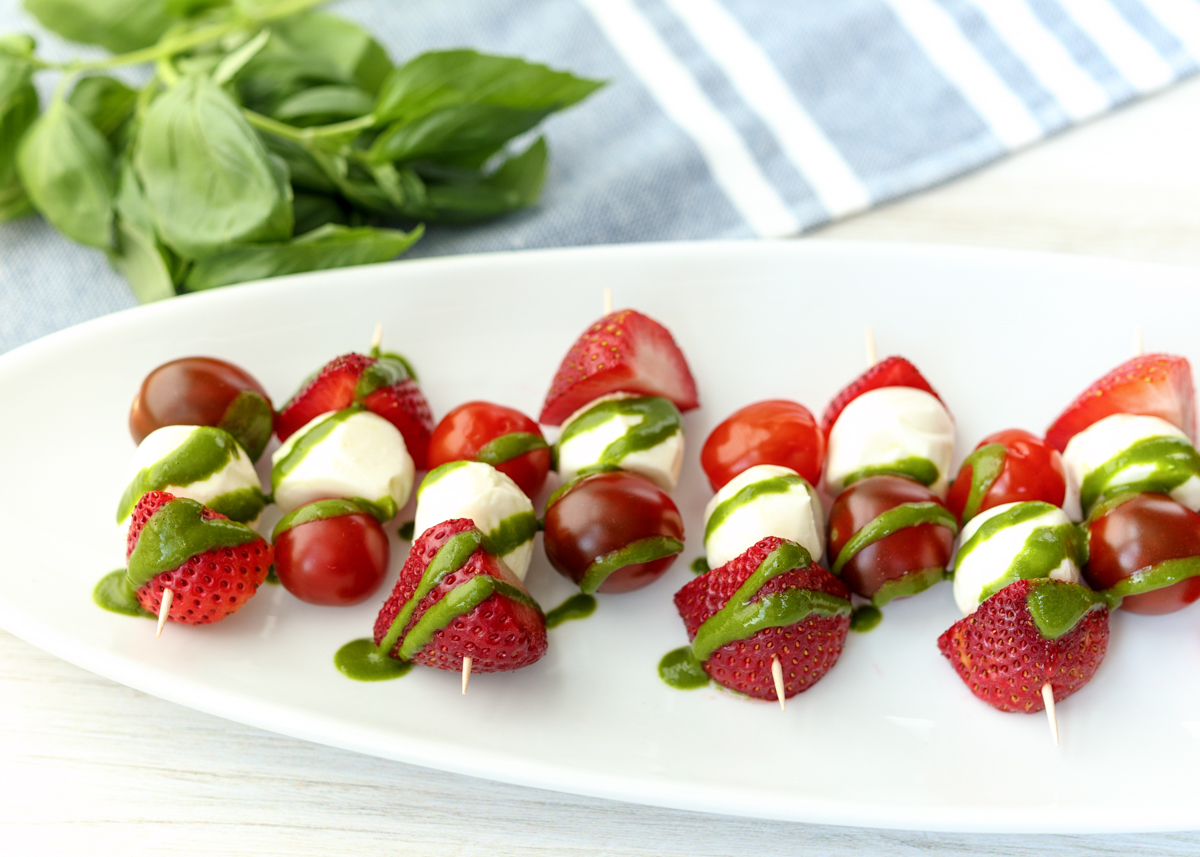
(591, 444)
(764, 500)
(500, 510)
(235, 474)
(1000, 556)
(891, 426)
(359, 455)
(1101, 442)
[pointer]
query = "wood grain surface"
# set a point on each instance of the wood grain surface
(88, 767)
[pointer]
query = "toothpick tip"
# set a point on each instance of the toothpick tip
(608, 301)
(1048, 699)
(777, 675)
(1138, 348)
(163, 610)
(466, 673)
(377, 336)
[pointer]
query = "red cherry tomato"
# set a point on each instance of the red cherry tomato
(199, 391)
(603, 513)
(775, 431)
(467, 429)
(924, 547)
(335, 561)
(1140, 533)
(1031, 470)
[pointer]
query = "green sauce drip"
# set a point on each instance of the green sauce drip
(1174, 459)
(743, 616)
(361, 661)
(242, 505)
(1057, 607)
(382, 510)
(1044, 551)
(916, 468)
(459, 601)
(1018, 514)
(272, 578)
(907, 585)
(700, 565)
(176, 533)
(986, 464)
(319, 511)
(578, 606)
(510, 446)
(634, 553)
(511, 533)
(865, 618)
(400, 358)
(309, 441)
(113, 594)
(660, 421)
(204, 453)
(384, 372)
(772, 485)
(437, 473)
(406, 529)
(680, 669)
(892, 521)
(250, 420)
(1164, 574)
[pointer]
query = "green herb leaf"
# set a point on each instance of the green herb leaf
(325, 104)
(237, 60)
(119, 25)
(312, 211)
(13, 202)
(18, 110)
(328, 247)
(104, 101)
(344, 46)
(66, 167)
(452, 131)
(517, 184)
(138, 255)
(208, 179)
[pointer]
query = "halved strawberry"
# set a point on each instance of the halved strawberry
(1151, 385)
(892, 372)
(1004, 658)
(625, 352)
(210, 584)
(807, 649)
(504, 631)
(384, 385)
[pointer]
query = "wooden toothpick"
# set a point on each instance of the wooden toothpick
(466, 672)
(872, 359)
(1048, 698)
(1137, 341)
(167, 596)
(377, 337)
(608, 301)
(777, 674)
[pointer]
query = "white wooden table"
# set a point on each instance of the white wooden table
(89, 767)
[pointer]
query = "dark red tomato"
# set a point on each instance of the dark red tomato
(1029, 469)
(335, 561)
(922, 548)
(497, 431)
(606, 512)
(1142, 532)
(203, 391)
(775, 431)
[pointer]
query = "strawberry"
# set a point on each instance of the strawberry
(1004, 657)
(506, 631)
(383, 384)
(209, 585)
(892, 372)
(807, 649)
(1151, 385)
(625, 352)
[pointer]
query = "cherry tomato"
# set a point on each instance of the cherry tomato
(1136, 535)
(476, 426)
(921, 548)
(204, 391)
(336, 561)
(775, 431)
(1030, 469)
(606, 512)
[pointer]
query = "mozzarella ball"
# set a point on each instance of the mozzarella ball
(764, 500)
(609, 432)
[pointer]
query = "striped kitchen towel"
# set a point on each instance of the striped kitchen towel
(728, 118)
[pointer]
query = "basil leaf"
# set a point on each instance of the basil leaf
(328, 247)
(17, 45)
(304, 170)
(517, 184)
(325, 104)
(312, 211)
(18, 110)
(441, 79)
(66, 167)
(13, 202)
(452, 131)
(105, 102)
(237, 60)
(119, 25)
(342, 45)
(141, 262)
(208, 179)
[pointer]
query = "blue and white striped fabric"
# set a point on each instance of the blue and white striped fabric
(728, 118)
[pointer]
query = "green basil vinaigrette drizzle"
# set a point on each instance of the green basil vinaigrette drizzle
(660, 420)
(510, 446)
(865, 618)
(250, 420)
(361, 661)
(986, 464)
(700, 565)
(771, 485)
(578, 606)
(459, 601)
(176, 533)
(1044, 550)
(384, 372)
(205, 452)
(1174, 461)
(893, 520)
(319, 511)
(511, 533)
(437, 473)
(241, 505)
(1057, 607)
(915, 467)
(637, 552)
(113, 594)
(680, 669)
(1159, 576)
(909, 584)
(308, 441)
